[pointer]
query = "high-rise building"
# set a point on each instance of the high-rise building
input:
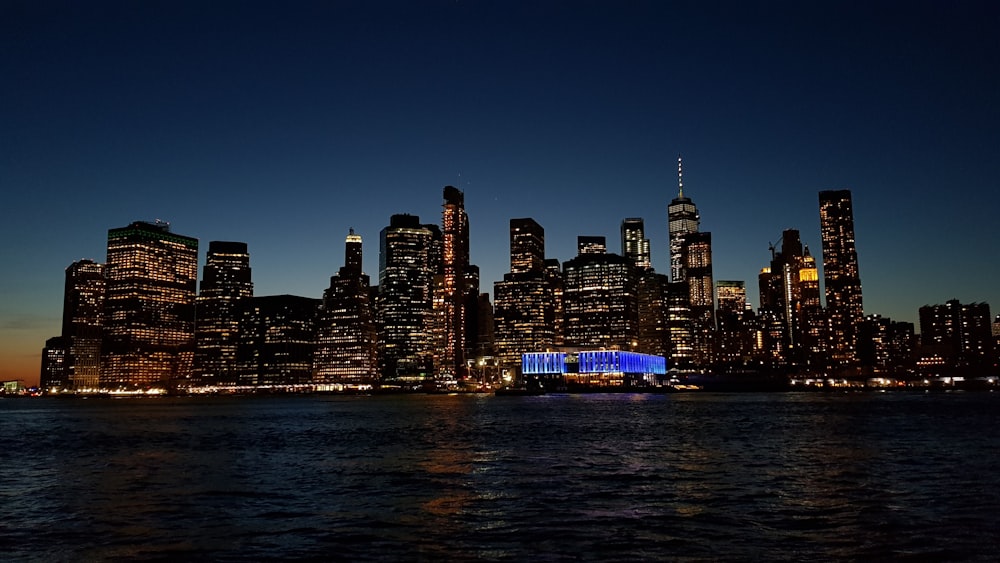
(524, 311)
(734, 342)
(54, 375)
(407, 260)
(150, 307)
(345, 327)
(635, 245)
(83, 321)
(553, 273)
(226, 290)
(591, 245)
(278, 340)
(885, 346)
(600, 301)
(680, 325)
(683, 219)
(840, 274)
(654, 313)
(697, 259)
(455, 265)
(959, 334)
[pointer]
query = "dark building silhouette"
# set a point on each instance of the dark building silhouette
(345, 328)
(734, 339)
(409, 254)
(956, 336)
(840, 274)
(654, 313)
(54, 373)
(600, 301)
(226, 290)
(885, 346)
(150, 307)
(696, 252)
(83, 322)
(278, 340)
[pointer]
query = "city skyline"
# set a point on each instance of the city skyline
(118, 115)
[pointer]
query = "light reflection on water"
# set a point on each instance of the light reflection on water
(701, 476)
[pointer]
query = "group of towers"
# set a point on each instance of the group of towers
(136, 321)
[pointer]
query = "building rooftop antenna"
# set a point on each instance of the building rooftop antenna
(680, 178)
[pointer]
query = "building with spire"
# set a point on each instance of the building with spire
(683, 219)
(345, 327)
(840, 274)
(222, 303)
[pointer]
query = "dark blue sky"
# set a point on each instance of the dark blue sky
(282, 125)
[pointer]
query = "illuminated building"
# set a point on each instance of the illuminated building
(600, 301)
(471, 305)
(83, 321)
(553, 273)
(278, 340)
(697, 258)
(524, 312)
(149, 312)
(407, 261)
(683, 219)
(591, 245)
(452, 303)
(345, 328)
(680, 325)
(54, 375)
(840, 274)
(960, 334)
(654, 313)
(734, 342)
(635, 245)
(885, 346)
(597, 368)
(226, 289)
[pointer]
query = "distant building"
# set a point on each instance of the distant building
(83, 322)
(54, 375)
(345, 328)
(226, 291)
(734, 341)
(452, 310)
(683, 219)
(635, 245)
(524, 305)
(600, 301)
(885, 346)
(840, 274)
(654, 313)
(958, 334)
(149, 316)
(278, 340)
(591, 245)
(696, 252)
(408, 256)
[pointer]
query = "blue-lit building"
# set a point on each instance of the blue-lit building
(598, 368)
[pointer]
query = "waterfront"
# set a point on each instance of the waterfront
(701, 476)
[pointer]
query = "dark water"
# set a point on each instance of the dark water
(562, 477)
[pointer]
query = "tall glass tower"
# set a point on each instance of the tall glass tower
(226, 291)
(452, 312)
(683, 219)
(635, 245)
(150, 307)
(83, 319)
(840, 274)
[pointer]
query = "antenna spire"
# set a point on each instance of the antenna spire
(680, 178)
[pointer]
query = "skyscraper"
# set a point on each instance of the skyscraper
(734, 342)
(959, 333)
(83, 319)
(278, 340)
(407, 258)
(455, 263)
(345, 328)
(840, 274)
(150, 307)
(524, 305)
(683, 219)
(226, 290)
(635, 245)
(696, 253)
(600, 301)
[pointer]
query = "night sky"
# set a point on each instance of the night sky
(284, 124)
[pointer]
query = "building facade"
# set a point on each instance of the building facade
(840, 275)
(149, 319)
(83, 322)
(600, 302)
(226, 291)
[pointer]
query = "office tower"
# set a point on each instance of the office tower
(486, 328)
(591, 245)
(345, 327)
(471, 292)
(635, 245)
(840, 274)
(885, 346)
(680, 325)
(149, 312)
(450, 360)
(600, 301)
(407, 260)
(553, 273)
(683, 219)
(654, 313)
(697, 260)
(278, 340)
(527, 246)
(54, 375)
(959, 334)
(226, 289)
(734, 342)
(524, 312)
(83, 321)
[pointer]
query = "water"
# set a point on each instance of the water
(699, 476)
